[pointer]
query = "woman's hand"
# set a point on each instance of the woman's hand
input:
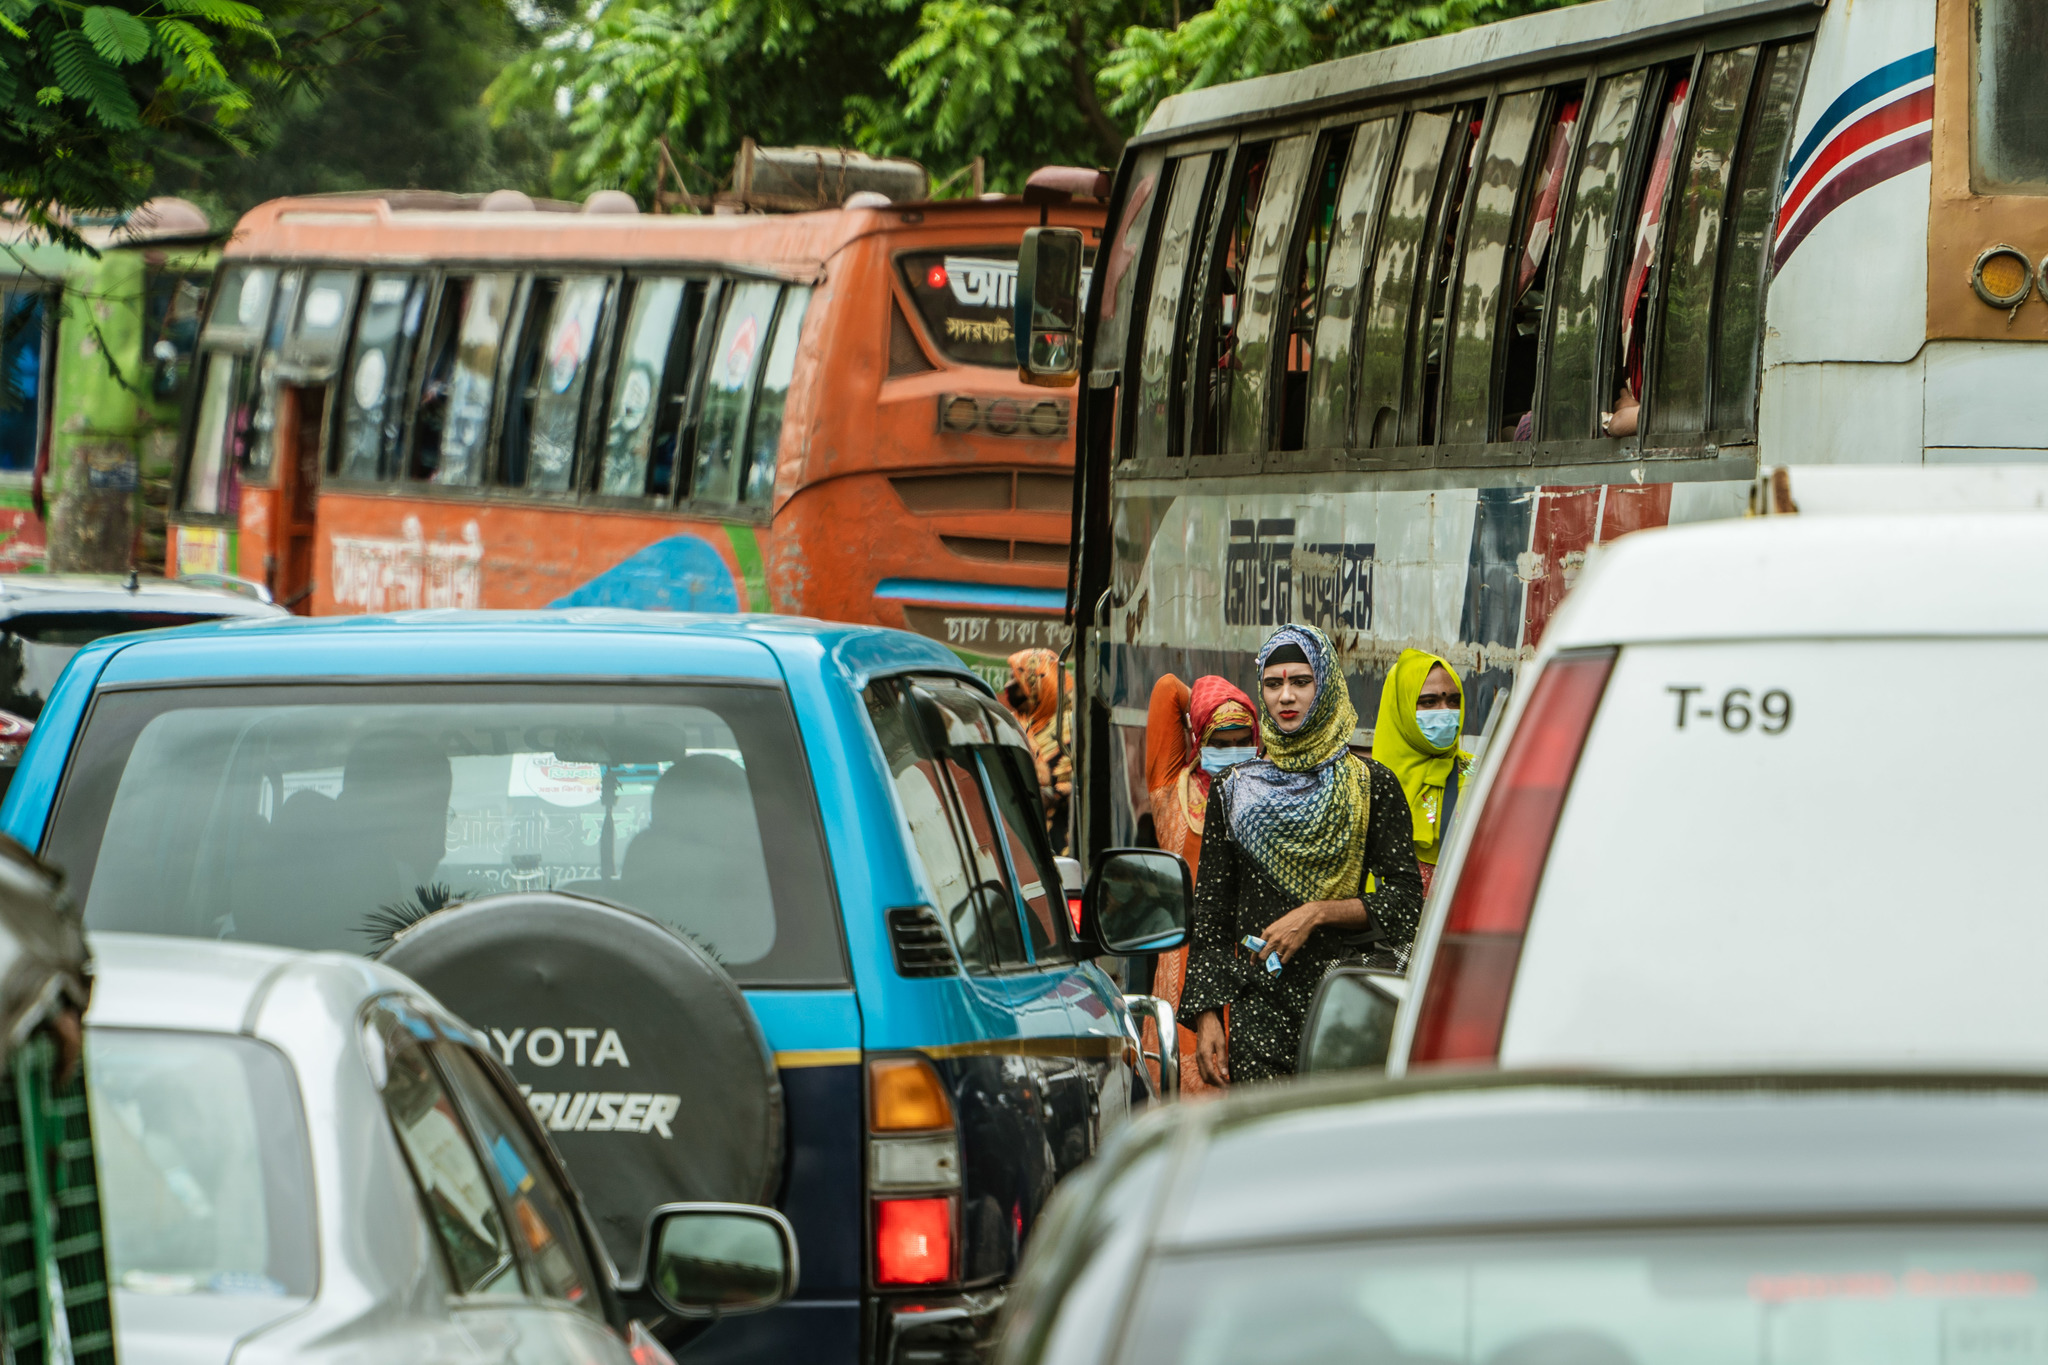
(1287, 934)
(1212, 1049)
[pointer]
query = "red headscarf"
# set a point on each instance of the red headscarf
(1214, 704)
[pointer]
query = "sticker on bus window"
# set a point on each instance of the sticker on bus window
(739, 357)
(369, 382)
(553, 781)
(323, 308)
(568, 356)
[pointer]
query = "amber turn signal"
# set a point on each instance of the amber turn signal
(905, 1095)
(2002, 277)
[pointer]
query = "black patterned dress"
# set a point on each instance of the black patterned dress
(1234, 897)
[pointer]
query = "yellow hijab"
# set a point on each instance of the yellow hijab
(1397, 742)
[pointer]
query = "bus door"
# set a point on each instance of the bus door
(306, 369)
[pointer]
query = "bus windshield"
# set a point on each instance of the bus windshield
(335, 817)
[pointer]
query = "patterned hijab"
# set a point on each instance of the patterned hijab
(1301, 811)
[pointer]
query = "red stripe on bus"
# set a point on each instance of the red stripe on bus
(1896, 117)
(1874, 169)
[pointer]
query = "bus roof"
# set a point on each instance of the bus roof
(370, 228)
(1551, 37)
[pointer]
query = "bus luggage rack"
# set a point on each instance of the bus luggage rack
(960, 413)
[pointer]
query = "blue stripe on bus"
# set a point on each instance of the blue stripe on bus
(1882, 81)
(971, 594)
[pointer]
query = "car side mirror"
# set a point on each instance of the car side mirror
(1351, 1021)
(708, 1260)
(1047, 312)
(1139, 900)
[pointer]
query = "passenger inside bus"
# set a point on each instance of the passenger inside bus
(1625, 420)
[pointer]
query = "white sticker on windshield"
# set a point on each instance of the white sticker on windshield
(553, 781)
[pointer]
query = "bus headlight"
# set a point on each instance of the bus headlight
(2002, 277)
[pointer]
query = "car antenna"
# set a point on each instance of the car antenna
(134, 581)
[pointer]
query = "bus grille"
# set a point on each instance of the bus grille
(987, 491)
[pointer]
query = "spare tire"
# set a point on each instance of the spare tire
(635, 1049)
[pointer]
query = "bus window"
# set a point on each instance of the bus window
(1304, 287)
(241, 302)
(454, 413)
(261, 451)
(1120, 282)
(766, 436)
(965, 297)
(1404, 234)
(175, 300)
(1680, 406)
(1468, 131)
(1533, 273)
(550, 374)
(220, 435)
(2009, 101)
(1739, 326)
(1358, 205)
(1154, 432)
(642, 399)
(1216, 333)
(729, 389)
(1579, 284)
(640, 448)
(323, 317)
(1468, 384)
(375, 408)
(1263, 262)
(1627, 386)
(21, 376)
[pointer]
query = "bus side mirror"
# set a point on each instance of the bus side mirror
(1048, 307)
(1351, 1021)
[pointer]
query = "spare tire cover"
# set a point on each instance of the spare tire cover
(635, 1050)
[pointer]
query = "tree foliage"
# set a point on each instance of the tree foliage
(92, 94)
(1020, 83)
(399, 108)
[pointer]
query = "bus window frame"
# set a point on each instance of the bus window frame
(596, 373)
(1131, 364)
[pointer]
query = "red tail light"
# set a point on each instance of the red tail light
(1074, 912)
(913, 1241)
(1465, 1001)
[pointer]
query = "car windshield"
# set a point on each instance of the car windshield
(1859, 1296)
(34, 648)
(202, 1161)
(327, 816)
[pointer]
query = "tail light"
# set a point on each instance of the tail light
(1465, 1000)
(1074, 904)
(913, 1172)
(14, 735)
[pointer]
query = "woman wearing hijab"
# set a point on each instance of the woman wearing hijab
(1191, 735)
(1287, 846)
(1033, 697)
(1422, 713)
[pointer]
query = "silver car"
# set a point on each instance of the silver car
(304, 1157)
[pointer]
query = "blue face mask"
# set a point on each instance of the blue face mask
(1438, 727)
(1215, 759)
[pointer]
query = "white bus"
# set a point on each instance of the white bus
(1388, 343)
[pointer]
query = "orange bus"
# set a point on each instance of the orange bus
(418, 400)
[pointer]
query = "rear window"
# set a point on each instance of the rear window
(1902, 1295)
(35, 648)
(967, 297)
(334, 816)
(1750, 858)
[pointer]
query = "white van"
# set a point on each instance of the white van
(1772, 794)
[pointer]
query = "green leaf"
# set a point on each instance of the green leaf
(227, 13)
(87, 76)
(49, 94)
(115, 34)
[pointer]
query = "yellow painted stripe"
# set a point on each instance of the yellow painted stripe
(824, 1056)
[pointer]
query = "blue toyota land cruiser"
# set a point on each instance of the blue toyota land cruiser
(751, 908)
